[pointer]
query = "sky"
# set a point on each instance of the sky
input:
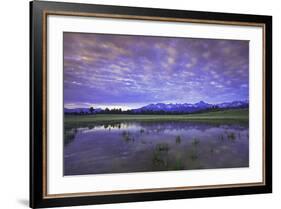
(128, 71)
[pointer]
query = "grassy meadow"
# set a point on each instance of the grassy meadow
(234, 114)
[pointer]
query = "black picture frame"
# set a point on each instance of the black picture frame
(38, 88)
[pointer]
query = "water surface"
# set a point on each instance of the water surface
(154, 146)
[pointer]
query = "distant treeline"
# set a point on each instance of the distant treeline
(92, 111)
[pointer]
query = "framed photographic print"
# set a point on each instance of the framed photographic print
(139, 104)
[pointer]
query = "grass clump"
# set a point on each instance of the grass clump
(162, 147)
(69, 135)
(221, 137)
(178, 165)
(127, 136)
(193, 156)
(195, 142)
(160, 154)
(178, 139)
(231, 136)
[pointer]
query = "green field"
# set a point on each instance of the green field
(235, 114)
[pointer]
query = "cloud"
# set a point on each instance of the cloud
(101, 68)
(244, 85)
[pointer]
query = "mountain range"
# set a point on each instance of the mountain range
(170, 108)
(190, 108)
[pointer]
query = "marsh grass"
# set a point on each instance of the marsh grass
(160, 154)
(178, 139)
(193, 156)
(195, 142)
(178, 165)
(231, 136)
(221, 137)
(162, 147)
(143, 142)
(127, 136)
(69, 135)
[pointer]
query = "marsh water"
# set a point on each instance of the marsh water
(154, 146)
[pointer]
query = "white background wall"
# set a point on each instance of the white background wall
(14, 103)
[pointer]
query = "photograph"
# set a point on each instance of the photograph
(135, 103)
(132, 104)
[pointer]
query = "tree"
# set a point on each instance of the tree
(91, 110)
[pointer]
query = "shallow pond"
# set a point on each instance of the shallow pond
(154, 146)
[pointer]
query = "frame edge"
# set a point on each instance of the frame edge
(36, 194)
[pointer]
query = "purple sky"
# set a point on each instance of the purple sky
(132, 71)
